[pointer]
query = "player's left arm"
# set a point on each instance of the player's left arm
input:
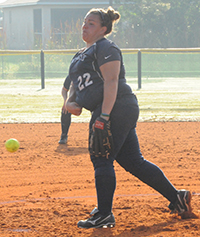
(110, 72)
(101, 141)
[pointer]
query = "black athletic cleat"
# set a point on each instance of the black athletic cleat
(63, 139)
(98, 221)
(183, 204)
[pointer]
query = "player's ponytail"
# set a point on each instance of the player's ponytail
(111, 16)
(108, 17)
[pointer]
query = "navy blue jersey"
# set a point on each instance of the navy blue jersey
(86, 76)
(67, 83)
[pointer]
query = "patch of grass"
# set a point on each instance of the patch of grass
(24, 101)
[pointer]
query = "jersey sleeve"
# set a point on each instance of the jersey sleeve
(108, 53)
(67, 83)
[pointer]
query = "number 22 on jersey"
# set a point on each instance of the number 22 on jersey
(84, 81)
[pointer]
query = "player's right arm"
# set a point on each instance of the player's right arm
(64, 93)
(71, 105)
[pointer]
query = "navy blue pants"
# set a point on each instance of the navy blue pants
(127, 153)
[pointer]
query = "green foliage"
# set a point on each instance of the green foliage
(67, 36)
(154, 64)
(20, 66)
(57, 65)
(158, 23)
(143, 24)
(170, 65)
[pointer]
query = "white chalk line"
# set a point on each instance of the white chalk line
(78, 197)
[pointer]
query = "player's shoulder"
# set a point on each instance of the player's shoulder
(106, 43)
(104, 46)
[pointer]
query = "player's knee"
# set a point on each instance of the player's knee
(103, 167)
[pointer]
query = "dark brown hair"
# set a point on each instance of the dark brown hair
(108, 17)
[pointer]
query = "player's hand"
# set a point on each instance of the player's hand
(73, 108)
(101, 141)
(64, 109)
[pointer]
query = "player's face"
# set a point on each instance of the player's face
(92, 29)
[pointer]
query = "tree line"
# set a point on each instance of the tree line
(147, 24)
(158, 24)
(143, 24)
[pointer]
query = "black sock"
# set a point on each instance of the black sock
(105, 186)
(65, 123)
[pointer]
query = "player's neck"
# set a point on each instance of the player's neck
(89, 44)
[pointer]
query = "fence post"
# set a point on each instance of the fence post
(139, 70)
(42, 69)
(2, 57)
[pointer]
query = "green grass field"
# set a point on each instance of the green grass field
(160, 99)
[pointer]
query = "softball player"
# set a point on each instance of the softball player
(99, 85)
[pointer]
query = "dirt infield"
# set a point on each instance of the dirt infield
(46, 188)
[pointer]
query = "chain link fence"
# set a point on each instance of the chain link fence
(142, 65)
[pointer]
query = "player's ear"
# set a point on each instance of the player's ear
(104, 29)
